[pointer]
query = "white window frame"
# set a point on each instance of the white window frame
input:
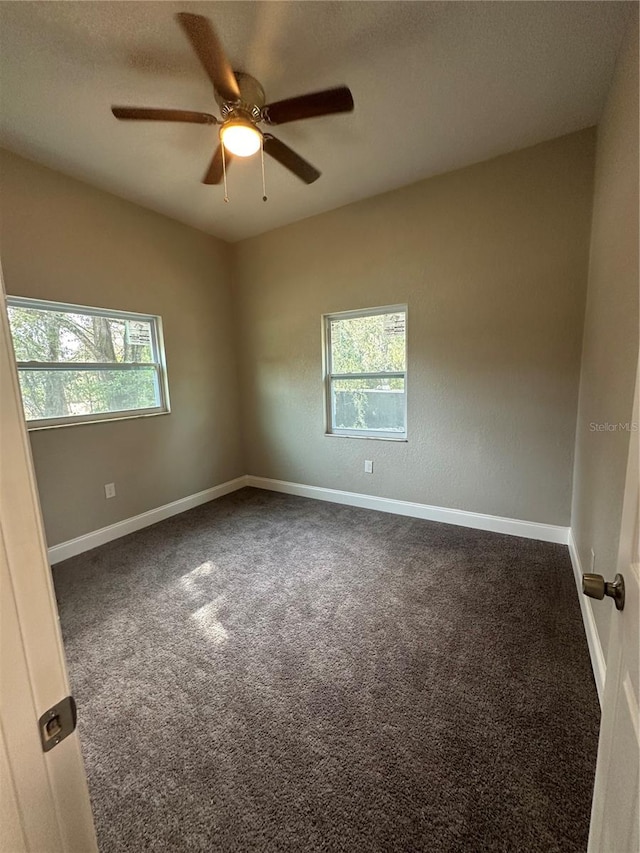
(329, 376)
(158, 363)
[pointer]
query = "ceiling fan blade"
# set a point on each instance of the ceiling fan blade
(323, 103)
(211, 54)
(215, 171)
(144, 114)
(290, 160)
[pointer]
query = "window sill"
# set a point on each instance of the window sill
(402, 440)
(33, 426)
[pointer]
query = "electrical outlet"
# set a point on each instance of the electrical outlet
(368, 466)
(110, 490)
(593, 561)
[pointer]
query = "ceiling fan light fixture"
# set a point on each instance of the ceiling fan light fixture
(240, 137)
(243, 105)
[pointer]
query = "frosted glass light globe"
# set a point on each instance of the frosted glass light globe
(240, 138)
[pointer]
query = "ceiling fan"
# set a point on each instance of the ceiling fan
(242, 105)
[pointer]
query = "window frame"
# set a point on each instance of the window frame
(329, 376)
(158, 363)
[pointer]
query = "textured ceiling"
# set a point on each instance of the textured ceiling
(437, 86)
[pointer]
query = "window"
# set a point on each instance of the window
(366, 372)
(78, 364)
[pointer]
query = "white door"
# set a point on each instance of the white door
(615, 819)
(44, 801)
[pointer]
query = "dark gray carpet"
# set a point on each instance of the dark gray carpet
(271, 673)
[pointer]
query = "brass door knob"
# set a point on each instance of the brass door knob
(595, 586)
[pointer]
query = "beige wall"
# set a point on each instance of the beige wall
(64, 240)
(492, 261)
(610, 348)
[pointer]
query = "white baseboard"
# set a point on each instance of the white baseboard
(478, 520)
(64, 550)
(598, 662)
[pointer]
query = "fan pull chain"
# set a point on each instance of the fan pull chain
(264, 187)
(224, 172)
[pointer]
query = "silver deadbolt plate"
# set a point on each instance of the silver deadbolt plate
(58, 722)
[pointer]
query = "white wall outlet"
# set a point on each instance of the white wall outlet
(110, 490)
(368, 466)
(593, 561)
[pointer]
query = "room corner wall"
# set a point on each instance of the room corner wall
(610, 346)
(492, 261)
(66, 241)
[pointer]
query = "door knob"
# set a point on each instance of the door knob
(595, 586)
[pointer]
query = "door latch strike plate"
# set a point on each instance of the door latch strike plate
(58, 722)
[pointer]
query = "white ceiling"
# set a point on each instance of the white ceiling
(437, 86)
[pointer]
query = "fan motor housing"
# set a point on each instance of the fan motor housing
(252, 98)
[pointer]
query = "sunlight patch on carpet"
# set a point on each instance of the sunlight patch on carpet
(206, 618)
